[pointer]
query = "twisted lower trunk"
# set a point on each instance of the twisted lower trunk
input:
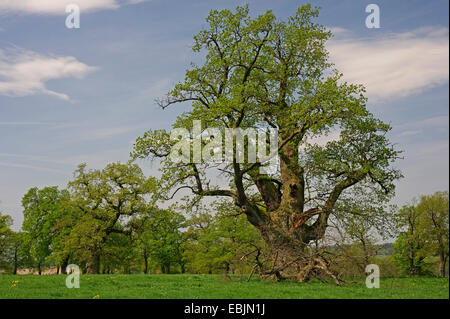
(291, 258)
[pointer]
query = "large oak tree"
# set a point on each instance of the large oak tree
(265, 73)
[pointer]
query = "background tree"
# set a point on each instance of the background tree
(223, 242)
(10, 244)
(62, 251)
(15, 255)
(141, 245)
(433, 226)
(265, 73)
(41, 209)
(5, 232)
(118, 253)
(159, 237)
(107, 198)
(85, 243)
(359, 221)
(409, 250)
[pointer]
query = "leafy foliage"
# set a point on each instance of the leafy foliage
(426, 233)
(223, 242)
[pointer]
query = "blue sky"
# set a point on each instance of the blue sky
(69, 96)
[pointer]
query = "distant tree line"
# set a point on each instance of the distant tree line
(109, 221)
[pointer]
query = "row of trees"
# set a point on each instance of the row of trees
(420, 230)
(109, 221)
(426, 233)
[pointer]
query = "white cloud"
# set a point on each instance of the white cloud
(106, 132)
(436, 149)
(395, 64)
(338, 31)
(156, 89)
(36, 158)
(439, 123)
(38, 168)
(426, 168)
(23, 123)
(434, 122)
(25, 72)
(409, 133)
(97, 160)
(320, 140)
(57, 7)
(136, 1)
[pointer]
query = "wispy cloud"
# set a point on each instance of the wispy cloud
(57, 7)
(320, 140)
(107, 132)
(157, 89)
(38, 158)
(409, 133)
(26, 72)
(435, 149)
(38, 168)
(24, 123)
(65, 164)
(437, 123)
(135, 1)
(395, 64)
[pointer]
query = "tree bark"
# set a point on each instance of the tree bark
(145, 263)
(64, 265)
(15, 261)
(165, 268)
(366, 251)
(412, 268)
(442, 262)
(93, 267)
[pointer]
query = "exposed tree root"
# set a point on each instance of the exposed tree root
(306, 267)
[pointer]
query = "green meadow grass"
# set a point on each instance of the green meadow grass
(212, 286)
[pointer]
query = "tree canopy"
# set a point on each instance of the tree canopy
(265, 73)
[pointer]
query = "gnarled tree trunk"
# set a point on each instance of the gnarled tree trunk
(291, 257)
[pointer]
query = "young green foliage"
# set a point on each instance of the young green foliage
(265, 73)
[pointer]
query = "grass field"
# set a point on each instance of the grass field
(211, 286)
